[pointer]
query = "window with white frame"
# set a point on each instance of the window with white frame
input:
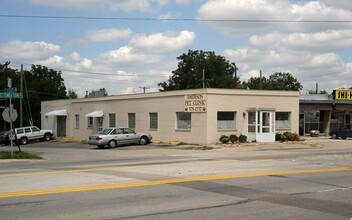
(283, 120)
(132, 120)
(252, 121)
(183, 120)
(226, 120)
(112, 120)
(153, 116)
(76, 121)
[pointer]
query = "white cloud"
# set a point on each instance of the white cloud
(329, 40)
(104, 35)
(75, 56)
(346, 4)
(328, 69)
(125, 56)
(184, 2)
(276, 10)
(164, 42)
(267, 58)
(53, 62)
(28, 50)
(311, 51)
(165, 16)
(326, 60)
(266, 40)
(105, 5)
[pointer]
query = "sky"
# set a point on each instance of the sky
(125, 45)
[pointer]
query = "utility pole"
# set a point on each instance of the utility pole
(316, 88)
(235, 69)
(203, 78)
(21, 100)
(144, 88)
(260, 80)
(12, 132)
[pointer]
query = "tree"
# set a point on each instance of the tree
(219, 72)
(315, 92)
(256, 83)
(276, 81)
(40, 84)
(284, 81)
(71, 94)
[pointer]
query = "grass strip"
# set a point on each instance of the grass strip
(18, 155)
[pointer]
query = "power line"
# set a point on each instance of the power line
(173, 19)
(92, 73)
(109, 74)
(106, 79)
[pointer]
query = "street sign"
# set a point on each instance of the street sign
(17, 95)
(14, 95)
(9, 117)
(8, 90)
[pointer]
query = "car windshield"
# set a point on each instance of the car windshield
(105, 131)
(5, 133)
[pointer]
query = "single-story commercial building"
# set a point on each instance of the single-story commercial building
(193, 116)
(325, 112)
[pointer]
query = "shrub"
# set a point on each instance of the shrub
(242, 138)
(290, 136)
(224, 139)
(233, 138)
(279, 137)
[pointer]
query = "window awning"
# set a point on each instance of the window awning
(62, 112)
(95, 114)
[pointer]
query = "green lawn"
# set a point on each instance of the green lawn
(18, 155)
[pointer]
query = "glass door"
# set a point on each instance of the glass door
(267, 126)
(261, 125)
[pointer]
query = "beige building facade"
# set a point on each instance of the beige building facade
(198, 116)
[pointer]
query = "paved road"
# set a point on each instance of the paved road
(78, 181)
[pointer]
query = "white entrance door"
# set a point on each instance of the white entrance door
(267, 126)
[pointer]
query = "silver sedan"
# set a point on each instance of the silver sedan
(118, 136)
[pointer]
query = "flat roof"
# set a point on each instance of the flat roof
(331, 101)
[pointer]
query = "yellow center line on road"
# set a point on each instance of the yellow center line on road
(113, 168)
(165, 181)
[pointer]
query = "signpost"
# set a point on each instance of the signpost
(10, 114)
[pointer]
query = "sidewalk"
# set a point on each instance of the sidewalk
(306, 142)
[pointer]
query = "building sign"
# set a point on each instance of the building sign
(196, 103)
(343, 94)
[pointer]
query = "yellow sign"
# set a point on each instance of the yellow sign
(196, 103)
(343, 94)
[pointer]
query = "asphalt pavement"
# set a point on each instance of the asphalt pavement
(299, 180)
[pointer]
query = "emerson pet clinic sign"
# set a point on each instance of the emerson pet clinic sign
(196, 103)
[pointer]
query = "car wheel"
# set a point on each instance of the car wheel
(100, 146)
(112, 144)
(24, 141)
(143, 141)
(47, 137)
(343, 138)
(334, 136)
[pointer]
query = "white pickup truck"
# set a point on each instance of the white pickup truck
(26, 134)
